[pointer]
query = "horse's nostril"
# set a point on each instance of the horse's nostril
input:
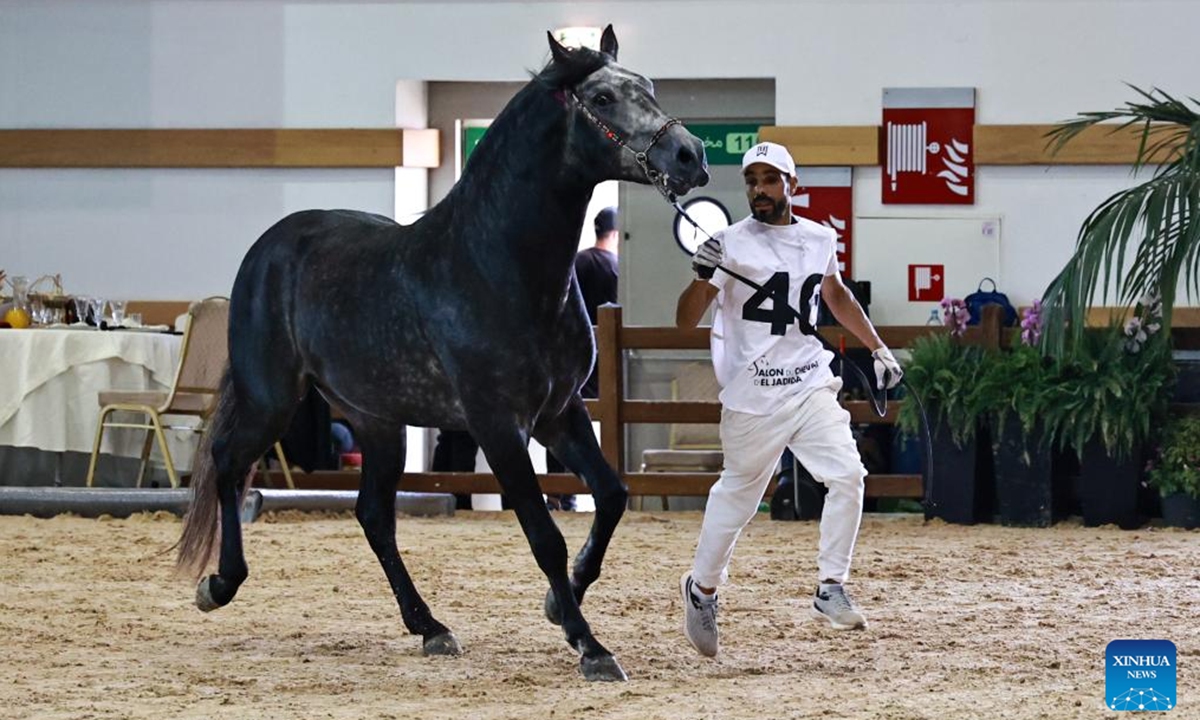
(685, 157)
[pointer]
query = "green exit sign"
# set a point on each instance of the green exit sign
(472, 134)
(725, 143)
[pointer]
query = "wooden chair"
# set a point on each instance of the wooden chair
(202, 361)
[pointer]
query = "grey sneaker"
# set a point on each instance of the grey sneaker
(835, 607)
(699, 619)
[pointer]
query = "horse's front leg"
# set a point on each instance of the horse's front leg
(572, 441)
(505, 447)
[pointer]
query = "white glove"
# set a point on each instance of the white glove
(708, 256)
(887, 371)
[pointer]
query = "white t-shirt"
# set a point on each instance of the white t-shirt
(760, 355)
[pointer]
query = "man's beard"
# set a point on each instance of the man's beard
(779, 209)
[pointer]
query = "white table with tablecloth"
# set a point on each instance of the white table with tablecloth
(50, 379)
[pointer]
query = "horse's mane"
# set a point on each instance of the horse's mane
(569, 69)
(531, 112)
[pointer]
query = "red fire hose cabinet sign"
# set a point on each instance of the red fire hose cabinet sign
(826, 195)
(927, 145)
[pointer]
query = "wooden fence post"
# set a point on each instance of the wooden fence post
(611, 381)
(992, 327)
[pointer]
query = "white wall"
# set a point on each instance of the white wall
(144, 63)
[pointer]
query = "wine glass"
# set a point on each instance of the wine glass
(37, 312)
(81, 307)
(96, 310)
(118, 312)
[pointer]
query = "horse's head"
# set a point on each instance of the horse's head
(618, 131)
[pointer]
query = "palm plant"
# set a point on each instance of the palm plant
(1161, 216)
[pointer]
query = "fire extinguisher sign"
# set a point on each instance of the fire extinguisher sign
(926, 283)
(928, 138)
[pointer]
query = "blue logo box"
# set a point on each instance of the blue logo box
(1140, 675)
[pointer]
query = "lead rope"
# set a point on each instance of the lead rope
(658, 180)
(878, 405)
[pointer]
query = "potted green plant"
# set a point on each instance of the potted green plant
(1013, 392)
(1175, 472)
(942, 371)
(1159, 217)
(1112, 388)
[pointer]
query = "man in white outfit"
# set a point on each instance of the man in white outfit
(777, 389)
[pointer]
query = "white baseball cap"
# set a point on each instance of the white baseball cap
(773, 154)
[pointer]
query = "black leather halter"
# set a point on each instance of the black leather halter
(656, 177)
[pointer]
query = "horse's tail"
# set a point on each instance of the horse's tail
(201, 526)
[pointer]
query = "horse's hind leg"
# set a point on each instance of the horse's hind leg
(243, 429)
(572, 441)
(507, 453)
(383, 463)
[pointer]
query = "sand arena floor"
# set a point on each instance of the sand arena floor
(980, 622)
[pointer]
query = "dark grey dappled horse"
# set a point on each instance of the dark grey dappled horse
(471, 318)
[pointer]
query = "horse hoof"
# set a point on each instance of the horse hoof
(204, 598)
(553, 613)
(442, 644)
(602, 669)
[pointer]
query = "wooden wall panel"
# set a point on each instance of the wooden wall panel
(1181, 316)
(283, 148)
(1028, 145)
(201, 148)
(845, 145)
(994, 145)
(158, 312)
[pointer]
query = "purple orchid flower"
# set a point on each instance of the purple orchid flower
(1031, 323)
(955, 315)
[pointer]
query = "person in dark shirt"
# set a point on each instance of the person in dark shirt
(596, 270)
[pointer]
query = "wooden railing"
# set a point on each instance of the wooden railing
(614, 411)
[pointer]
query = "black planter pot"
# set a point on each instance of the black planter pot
(957, 486)
(1024, 477)
(1066, 484)
(1187, 382)
(1181, 510)
(1108, 488)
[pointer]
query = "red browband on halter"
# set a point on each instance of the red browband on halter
(657, 178)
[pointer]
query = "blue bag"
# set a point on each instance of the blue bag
(976, 300)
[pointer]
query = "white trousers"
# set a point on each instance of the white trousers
(817, 429)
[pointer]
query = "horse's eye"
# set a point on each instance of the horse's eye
(602, 99)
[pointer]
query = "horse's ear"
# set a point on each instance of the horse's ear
(608, 42)
(560, 54)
